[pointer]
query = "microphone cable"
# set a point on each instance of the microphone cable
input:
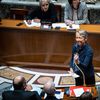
(81, 72)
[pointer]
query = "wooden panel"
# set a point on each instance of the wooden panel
(20, 43)
(39, 46)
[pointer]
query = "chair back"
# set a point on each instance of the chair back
(59, 12)
(17, 13)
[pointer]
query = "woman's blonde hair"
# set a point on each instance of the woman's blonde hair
(83, 33)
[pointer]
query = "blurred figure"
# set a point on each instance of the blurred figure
(81, 60)
(45, 12)
(21, 91)
(76, 12)
(86, 96)
(49, 89)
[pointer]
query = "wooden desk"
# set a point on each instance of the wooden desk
(20, 45)
(72, 97)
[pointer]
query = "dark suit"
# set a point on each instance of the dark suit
(51, 98)
(20, 95)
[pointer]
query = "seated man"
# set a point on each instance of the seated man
(45, 12)
(49, 89)
(21, 91)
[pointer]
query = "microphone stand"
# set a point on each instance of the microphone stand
(84, 84)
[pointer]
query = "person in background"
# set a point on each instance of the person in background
(81, 60)
(86, 96)
(49, 89)
(76, 12)
(45, 12)
(21, 91)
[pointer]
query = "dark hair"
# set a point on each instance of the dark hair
(86, 96)
(70, 2)
(19, 85)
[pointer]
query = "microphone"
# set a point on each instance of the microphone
(78, 48)
(76, 56)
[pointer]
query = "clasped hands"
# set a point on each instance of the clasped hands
(69, 23)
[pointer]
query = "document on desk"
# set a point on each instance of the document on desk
(59, 94)
(73, 26)
(36, 88)
(63, 25)
(32, 24)
(78, 92)
(60, 25)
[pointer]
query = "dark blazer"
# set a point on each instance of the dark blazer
(48, 16)
(85, 62)
(20, 95)
(51, 98)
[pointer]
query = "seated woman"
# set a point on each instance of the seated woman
(76, 12)
(45, 12)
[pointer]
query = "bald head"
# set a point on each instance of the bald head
(19, 83)
(49, 88)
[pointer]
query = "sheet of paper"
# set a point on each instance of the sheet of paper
(73, 26)
(32, 24)
(78, 92)
(36, 88)
(59, 95)
(61, 25)
(74, 75)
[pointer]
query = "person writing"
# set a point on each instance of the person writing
(76, 12)
(81, 60)
(45, 12)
